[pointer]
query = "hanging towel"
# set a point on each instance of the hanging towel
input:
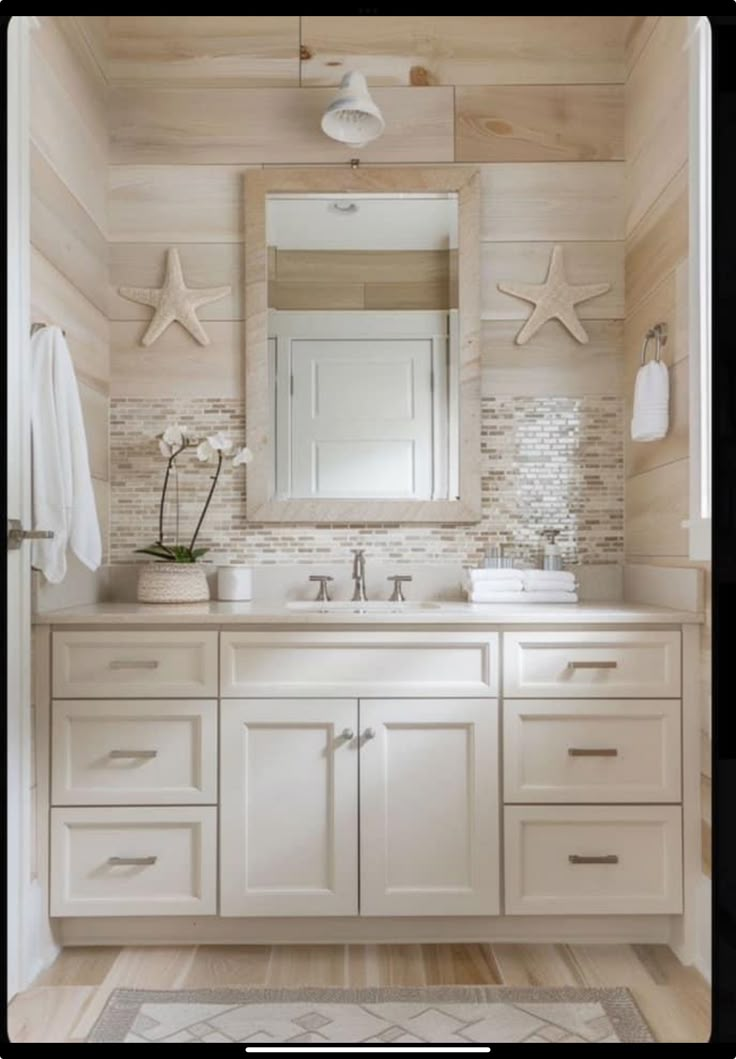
(549, 580)
(63, 499)
(650, 419)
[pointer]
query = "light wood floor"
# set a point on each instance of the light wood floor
(65, 1000)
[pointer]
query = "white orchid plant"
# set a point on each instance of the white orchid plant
(215, 448)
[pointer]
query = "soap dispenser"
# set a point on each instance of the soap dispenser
(552, 551)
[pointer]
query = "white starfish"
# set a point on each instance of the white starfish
(174, 301)
(553, 300)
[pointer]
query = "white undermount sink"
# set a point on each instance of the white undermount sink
(369, 606)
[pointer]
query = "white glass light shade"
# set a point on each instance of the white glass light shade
(352, 117)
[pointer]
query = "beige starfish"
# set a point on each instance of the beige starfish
(174, 301)
(553, 300)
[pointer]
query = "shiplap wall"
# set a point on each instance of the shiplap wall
(657, 473)
(536, 101)
(69, 159)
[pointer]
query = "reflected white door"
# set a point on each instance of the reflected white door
(429, 807)
(288, 807)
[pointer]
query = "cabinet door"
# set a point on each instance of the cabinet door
(288, 807)
(429, 807)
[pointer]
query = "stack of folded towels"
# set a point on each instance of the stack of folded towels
(521, 586)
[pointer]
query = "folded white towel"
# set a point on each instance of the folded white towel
(548, 579)
(524, 597)
(63, 499)
(509, 584)
(493, 574)
(650, 418)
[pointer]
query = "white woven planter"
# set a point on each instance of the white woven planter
(172, 583)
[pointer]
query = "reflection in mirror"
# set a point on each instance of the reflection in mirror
(363, 345)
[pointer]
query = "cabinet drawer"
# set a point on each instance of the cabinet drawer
(133, 861)
(592, 664)
(134, 664)
(419, 664)
(597, 859)
(142, 752)
(598, 751)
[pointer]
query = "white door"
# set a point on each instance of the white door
(362, 404)
(18, 629)
(289, 807)
(429, 807)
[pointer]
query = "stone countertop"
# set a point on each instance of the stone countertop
(445, 613)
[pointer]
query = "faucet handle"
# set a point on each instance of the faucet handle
(323, 596)
(397, 596)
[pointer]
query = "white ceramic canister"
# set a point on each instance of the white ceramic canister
(235, 582)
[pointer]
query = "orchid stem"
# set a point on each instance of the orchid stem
(215, 476)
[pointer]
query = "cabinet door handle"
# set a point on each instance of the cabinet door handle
(583, 751)
(347, 734)
(116, 862)
(122, 663)
(610, 858)
(592, 665)
(369, 733)
(133, 753)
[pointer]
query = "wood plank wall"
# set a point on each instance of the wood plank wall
(657, 473)
(69, 158)
(536, 101)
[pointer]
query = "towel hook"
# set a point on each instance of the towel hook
(39, 325)
(658, 333)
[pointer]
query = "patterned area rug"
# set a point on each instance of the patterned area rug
(435, 1015)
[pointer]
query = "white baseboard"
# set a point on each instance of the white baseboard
(42, 944)
(221, 930)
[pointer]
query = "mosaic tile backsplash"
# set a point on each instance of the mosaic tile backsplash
(547, 462)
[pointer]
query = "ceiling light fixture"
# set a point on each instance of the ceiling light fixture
(352, 117)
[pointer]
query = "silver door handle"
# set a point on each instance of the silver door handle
(610, 858)
(592, 665)
(581, 751)
(369, 733)
(133, 753)
(347, 734)
(16, 534)
(141, 663)
(116, 862)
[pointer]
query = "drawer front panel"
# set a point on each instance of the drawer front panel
(592, 664)
(367, 663)
(625, 750)
(176, 664)
(133, 861)
(140, 752)
(602, 859)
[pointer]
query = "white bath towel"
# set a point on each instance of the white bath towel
(549, 580)
(490, 596)
(494, 574)
(650, 418)
(501, 584)
(63, 499)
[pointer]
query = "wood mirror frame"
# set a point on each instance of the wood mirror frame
(261, 505)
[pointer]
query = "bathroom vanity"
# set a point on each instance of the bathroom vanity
(231, 772)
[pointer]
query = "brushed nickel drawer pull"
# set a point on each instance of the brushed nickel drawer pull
(121, 663)
(116, 862)
(583, 751)
(133, 753)
(611, 858)
(592, 665)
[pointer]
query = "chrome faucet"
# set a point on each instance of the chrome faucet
(359, 575)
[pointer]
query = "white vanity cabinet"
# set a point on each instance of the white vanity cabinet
(375, 781)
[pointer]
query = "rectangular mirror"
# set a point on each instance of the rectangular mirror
(362, 372)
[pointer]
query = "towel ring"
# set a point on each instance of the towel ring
(659, 334)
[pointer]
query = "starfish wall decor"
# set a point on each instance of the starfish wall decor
(174, 301)
(554, 300)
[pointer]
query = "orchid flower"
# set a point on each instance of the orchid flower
(243, 455)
